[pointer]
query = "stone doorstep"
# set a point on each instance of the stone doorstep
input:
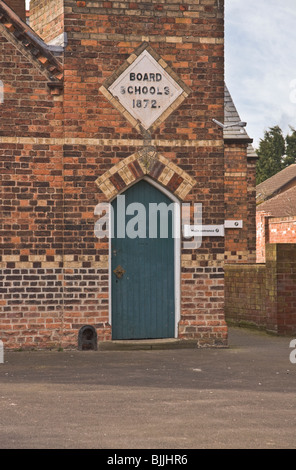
(149, 344)
(154, 344)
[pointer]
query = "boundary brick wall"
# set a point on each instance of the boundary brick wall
(264, 295)
(245, 290)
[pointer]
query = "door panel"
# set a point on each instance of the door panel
(143, 299)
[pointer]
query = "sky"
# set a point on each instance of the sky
(260, 62)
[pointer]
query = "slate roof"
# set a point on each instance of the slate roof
(32, 43)
(251, 153)
(231, 116)
(282, 205)
(276, 184)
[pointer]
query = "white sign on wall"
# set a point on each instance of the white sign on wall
(145, 89)
(203, 230)
(233, 224)
(1, 352)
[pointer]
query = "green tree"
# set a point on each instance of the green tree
(271, 152)
(290, 156)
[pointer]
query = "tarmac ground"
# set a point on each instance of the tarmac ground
(240, 397)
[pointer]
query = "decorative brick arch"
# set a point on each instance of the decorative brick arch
(145, 163)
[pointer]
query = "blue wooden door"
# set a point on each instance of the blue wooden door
(143, 300)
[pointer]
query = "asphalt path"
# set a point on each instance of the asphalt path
(240, 397)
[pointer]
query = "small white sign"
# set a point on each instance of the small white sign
(1, 352)
(233, 224)
(203, 231)
(145, 89)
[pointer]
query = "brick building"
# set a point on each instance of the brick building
(67, 144)
(276, 211)
(276, 221)
(276, 184)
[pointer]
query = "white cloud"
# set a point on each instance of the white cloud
(260, 50)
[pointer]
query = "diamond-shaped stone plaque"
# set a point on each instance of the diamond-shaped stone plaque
(145, 91)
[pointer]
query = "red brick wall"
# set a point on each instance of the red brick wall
(264, 295)
(190, 39)
(31, 203)
(282, 230)
(236, 201)
(261, 235)
(251, 205)
(245, 294)
(240, 244)
(47, 18)
(53, 149)
(286, 288)
(29, 108)
(18, 6)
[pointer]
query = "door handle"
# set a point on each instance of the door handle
(119, 272)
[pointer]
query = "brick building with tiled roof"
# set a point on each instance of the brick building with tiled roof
(277, 184)
(276, 215)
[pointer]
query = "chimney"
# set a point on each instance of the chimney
(19, 7)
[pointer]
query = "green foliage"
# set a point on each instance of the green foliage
(290, 156)
(275, 152)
